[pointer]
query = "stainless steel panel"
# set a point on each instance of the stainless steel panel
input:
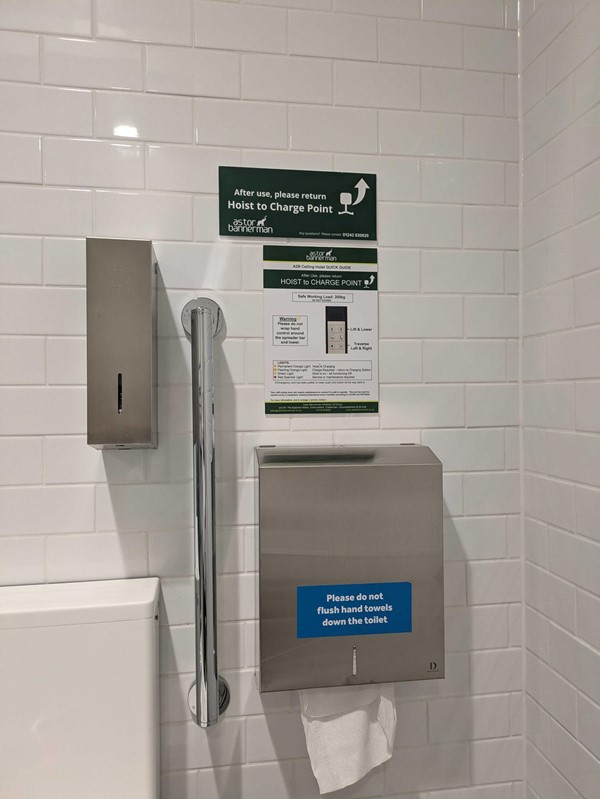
(344, 515)
(121, 344)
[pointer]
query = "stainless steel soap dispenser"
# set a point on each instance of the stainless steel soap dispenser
(121, 344)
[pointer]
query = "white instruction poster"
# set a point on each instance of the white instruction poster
(321, 336)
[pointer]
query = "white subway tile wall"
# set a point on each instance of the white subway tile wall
(114, 117)
(561, 337)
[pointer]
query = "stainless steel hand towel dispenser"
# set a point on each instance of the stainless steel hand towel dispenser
(351, 583)
(121, 344)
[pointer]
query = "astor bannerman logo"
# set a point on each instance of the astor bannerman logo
(321, 255)
(250, 226)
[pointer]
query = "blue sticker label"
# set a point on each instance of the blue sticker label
(323, 611)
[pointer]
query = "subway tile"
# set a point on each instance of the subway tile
(573, 45)
(398, 270)
(286, 159)
(585, 192)
(548, 309)
(574, 559)
(22, 561)
(537, 641)
(468, 718)
(44, 211)
(490, 227)
(376, 85)
(577, 765)
(474, 538)
(205, 73)
(466, 182)
(144, 20)
(574, 456)
(143, 507)
(171, 554)
(467, 450)
(535, 442)
(587, 90)
(347, 129)
(548, 117)
(420, 43)
(20, 260)
(494, 139)
(534, 83)
(237, 27)
(189, 169)
(587, 402)
(179, 785)
(276, 737)
(96, 557)
(19, 56)
(20, 159)
(587, 503)
(241, 124)
(69, 17)
(143, 116)
(419, 317)
(417, 133)
(69, 459)
(64, 261)
(544, 778)
(42, 410)
(491, 493)
(187, 746)
(397, 178)
(41, 510)
(550, 596)
(574, 354)
(143, 215)
(574, 148)
(42, 311)
(462, 92)
(588, 618)
(286, 79)
(511, 186)
(466, 272)
(554, 693)
(21, 461)
(92, 64)
(206, 218)
(421, 406)
(463, 361)
(543, 27)
(549, 405)
(588, 724)
(79, 162)
(492, 405)
(493, 582)
(490, 50)
(189, 266)
(491, 317)
(332, 35)
(44, 109)
(485, 12)
(427, 768)
(420, 225)
(400, 361)
(253, 781)
(548, 213)
(23, 360)
(550, 501)
(406, 9)
(497, 761)
(576, 661)
(495, 671)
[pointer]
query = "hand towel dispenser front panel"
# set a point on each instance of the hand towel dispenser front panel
(121, 344)
(351, 584)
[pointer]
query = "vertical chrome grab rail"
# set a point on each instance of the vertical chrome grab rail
(208, 697)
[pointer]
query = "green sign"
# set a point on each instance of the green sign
(297, 204)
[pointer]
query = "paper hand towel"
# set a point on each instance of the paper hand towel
(348, 730)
